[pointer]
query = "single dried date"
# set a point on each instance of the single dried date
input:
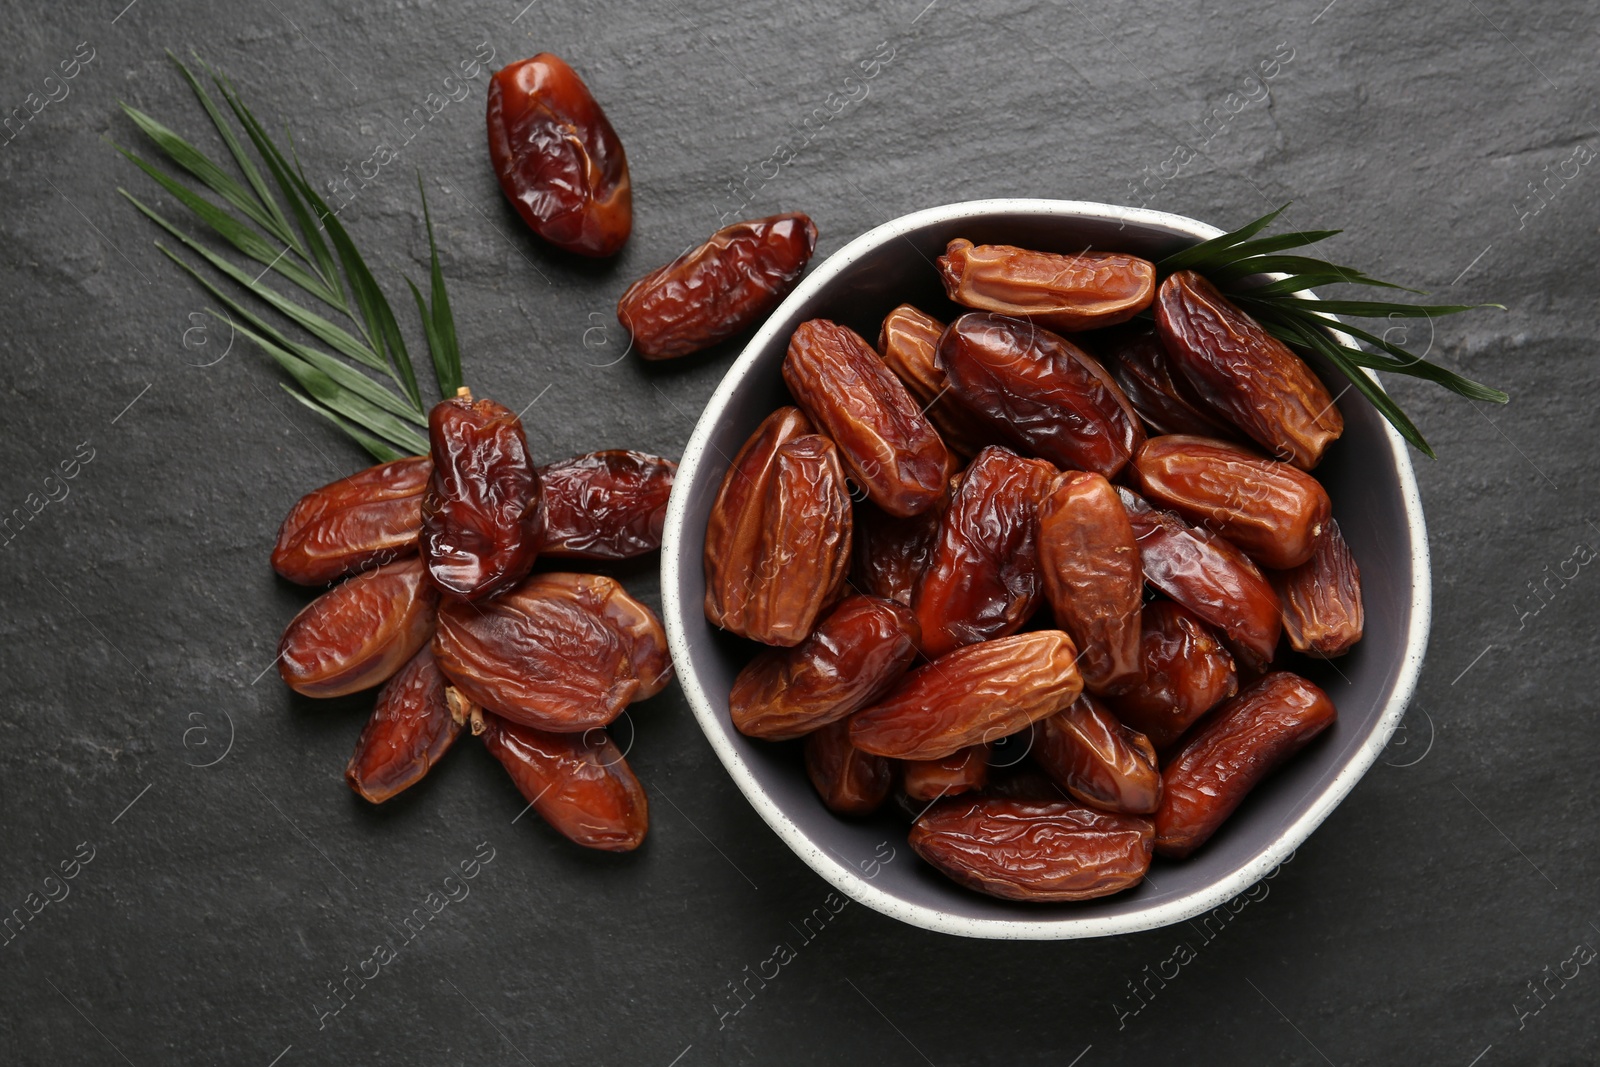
(973, 695)
(367, 519)
(964, 771)
(360, 632)
(561, 652)
(1246, 373)
(908, 342)
(605, 505)
(983, 579)
(849, 781)
(1231, 752)
(852, 658)
(712, 292)
(1320, 600)
(1187, 672)
(1206, 574)
(1089, 563)
(578, 783)
(889, 447)
(558, 160)
(1097, 759)
(1041, 392)
(1034, 850)
(1160, 394)
(891, 553)
(1075, 292)
(410, 730)
(481, 516)
(1273, 511)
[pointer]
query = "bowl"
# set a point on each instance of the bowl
(1367, 473)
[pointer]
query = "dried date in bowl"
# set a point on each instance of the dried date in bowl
(1367, 476)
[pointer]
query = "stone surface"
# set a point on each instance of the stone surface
(140, 618)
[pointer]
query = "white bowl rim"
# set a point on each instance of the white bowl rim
(850, 881)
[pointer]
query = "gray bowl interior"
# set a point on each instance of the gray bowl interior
(1367, 474)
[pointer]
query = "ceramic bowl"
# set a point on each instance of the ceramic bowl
(1367, 473)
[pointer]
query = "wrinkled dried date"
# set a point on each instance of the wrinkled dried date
(579, 783)
(712, 292)
(850, 782)
(963, 771)
(1077, 292)
(1243, 371)
(410, 730)
(605, 505)
(973, 695)
(561, 652)
(1321, 599)
(852, 658)
(1097, 759)
(889, 447)
(891, 553)
(1089, 563)
(908, 342)
(1034, 850)
(1230, 752)
(1040, 391)
(369, 518)
(983, 579)
(360, 632)
(1209, 576)
(1273, 511)
(1187, 672)
(481, 516)
(558, 160)
(1158, 392)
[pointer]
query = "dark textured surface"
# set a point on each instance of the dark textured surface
(138, 610)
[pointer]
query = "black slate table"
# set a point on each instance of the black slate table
(224, 880)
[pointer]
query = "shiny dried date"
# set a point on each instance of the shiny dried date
(367, 519)
(852, 658)
(1273, 511)
(712, 292)
(889, 447)
(561, 652)
(1089, 563)
(983, 579)
(1097, 759)
(579, 783)
(558, 160)
(963, 771)
(1187, 672)
(908, 342)
(1040, 391)
(1158, 392)
(891, 553)
(850, 782)
(481, 516)
(1320, 600)
(360, 632)
(1246, 373)
(1038, 851)
(605, 505)
(1075, 292)
(410, 730)
(973, 695)
(1206, 574)
(1231, 752)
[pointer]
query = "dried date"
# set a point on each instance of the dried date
(908, 342)
(561, 652)
(1246, 373)
(852, 658)
(1231, 752)
(1187, 672)
(965, 770)
(360, 632)
(1097, 759)
(1158, 391)
(605, 505)
(1320, 600)
(1041, 392)
(850, 782)
(579, 783)
(410, 730)
(1034, 850)
(891, 553)
(889, 447)
(558, 160)
(1074, 292)
(973, 695)
(367, 519)
(712, 292)
(481, 516)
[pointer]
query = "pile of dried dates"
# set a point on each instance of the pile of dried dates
(1077, 519)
